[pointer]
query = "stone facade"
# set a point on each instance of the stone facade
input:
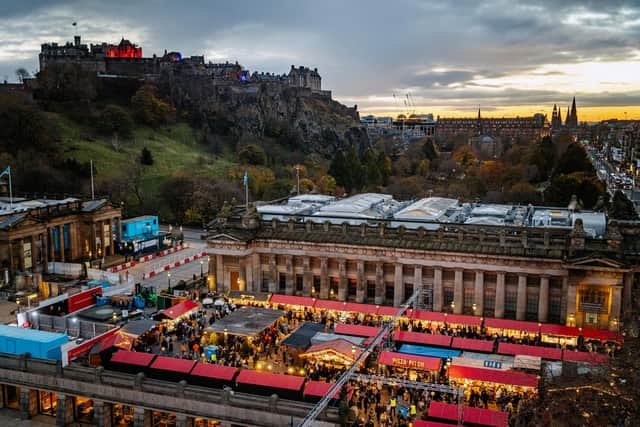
(508, 128)
(544, 275)
(65, 232)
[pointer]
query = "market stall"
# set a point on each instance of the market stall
(130, 362)
(548, 353)
(337, 354)
(496, 382)
(462, 321)
(511, 328)
(210, 374)
(170, 368)
(422, 338)
(559, 334)
(471, 344)
(356, 330)
(267, 383)
(413, 367)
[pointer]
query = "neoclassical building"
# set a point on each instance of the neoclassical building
(518, 262)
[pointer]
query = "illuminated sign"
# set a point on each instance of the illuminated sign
(404, 363)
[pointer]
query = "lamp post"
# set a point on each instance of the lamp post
(169, 281)
(474, 307)
(201, 271)
(298, 179)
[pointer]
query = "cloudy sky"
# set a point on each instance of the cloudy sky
(510, 57)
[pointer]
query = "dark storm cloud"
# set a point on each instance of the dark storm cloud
(362, 48)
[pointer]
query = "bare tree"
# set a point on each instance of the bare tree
(22, 74)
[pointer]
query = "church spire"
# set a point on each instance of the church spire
(479, 125)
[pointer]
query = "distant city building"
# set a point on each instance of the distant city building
(485, 147)
(571, 119)
(508, 128)
(305, 77)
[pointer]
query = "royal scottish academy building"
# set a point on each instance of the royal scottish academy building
(543, 264)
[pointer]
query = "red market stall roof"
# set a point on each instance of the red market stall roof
(445, 411)
(600, 334)
(410, 361)
(585, 356)
(431, 316)
(356, 330)
(268, 379)
(530, 350)
(132, 358)
(385, 310)
(339, 345)
(471, 344)
(423, 423)
(179, 309)
(560, 330)
(512, 325)
(485, 417)
(493, 376)
(213, 371)
(330, 305)
(463, 319)
(182, 366)
(292, 300)
(116, 340)
(361, 308)
(420, 338)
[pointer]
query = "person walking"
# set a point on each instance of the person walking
(392, 405)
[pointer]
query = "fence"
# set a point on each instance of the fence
(65, 269)
(70, 325)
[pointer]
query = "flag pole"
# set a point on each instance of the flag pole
(92, 192)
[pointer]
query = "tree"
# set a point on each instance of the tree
(66, 82)
(145, 157)
(543, 156)
(148, 107)
(622, 208)
(371, 168)
(115, 120)
(429, 150)
(356, 172)
(326, 185)
(574, 159)
(252, 154)
(338, 169)
(463, 156)
(384, 163)
(587, 187)
(24, 127)
(22, 74)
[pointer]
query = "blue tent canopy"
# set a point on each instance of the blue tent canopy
(423, 350)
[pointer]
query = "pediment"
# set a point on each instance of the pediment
(224, 236)
(596, 262)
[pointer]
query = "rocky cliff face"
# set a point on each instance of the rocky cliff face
(270, 109)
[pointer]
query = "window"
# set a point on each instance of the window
(121, 415)
(447, 294)
(299, 282)
(162, 419)
(510, 302)
(389, 292)
(316, 285)
(489, 302)
(282, 282)
(408, 290)
(468, 300)
(333, 287)
(47, 403)
(532, 305)
(371, 289)
(555, 307)
(352, 288)
(11, 396)
(83, 410)
(265, 283)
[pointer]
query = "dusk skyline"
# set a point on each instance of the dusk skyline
(508, 58)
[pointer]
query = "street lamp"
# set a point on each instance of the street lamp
(298, 178)
(201, 271)
(169, 281)
(474, 307)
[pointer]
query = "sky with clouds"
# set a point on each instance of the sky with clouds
(509, 57)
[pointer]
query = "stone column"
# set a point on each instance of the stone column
(616, 303)
(521, 302)
(361, 288)
(627, 290)
(342, 280)
(256, 266)
(34, 256)
(572, 293)
(119, 229)
(52, 248)
(102, 413)
(543, 299)
(564, 299)
(61, 241)
(141, 417)
(458, 292)
(478, 294)
(324, 278)
(379, 299)
(289, 287)
(417, 285)
(307, 276)
(28, 403)
(45, 251)
(499, 311)
(273, 273)
(219, 277)
(64, 410)
(398, 285)
(437, 289)
(111, 245)
(183, 421)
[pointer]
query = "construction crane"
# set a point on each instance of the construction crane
(386, 329)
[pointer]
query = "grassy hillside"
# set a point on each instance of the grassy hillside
(174, 148)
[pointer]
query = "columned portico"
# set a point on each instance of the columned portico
(458, 289)
(543, 301)
(521, 304)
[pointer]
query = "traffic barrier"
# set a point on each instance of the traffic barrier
(148, 258)
(173, 265)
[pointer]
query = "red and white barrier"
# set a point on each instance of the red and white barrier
(123, 266)
(148, 258)
(168, 267)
